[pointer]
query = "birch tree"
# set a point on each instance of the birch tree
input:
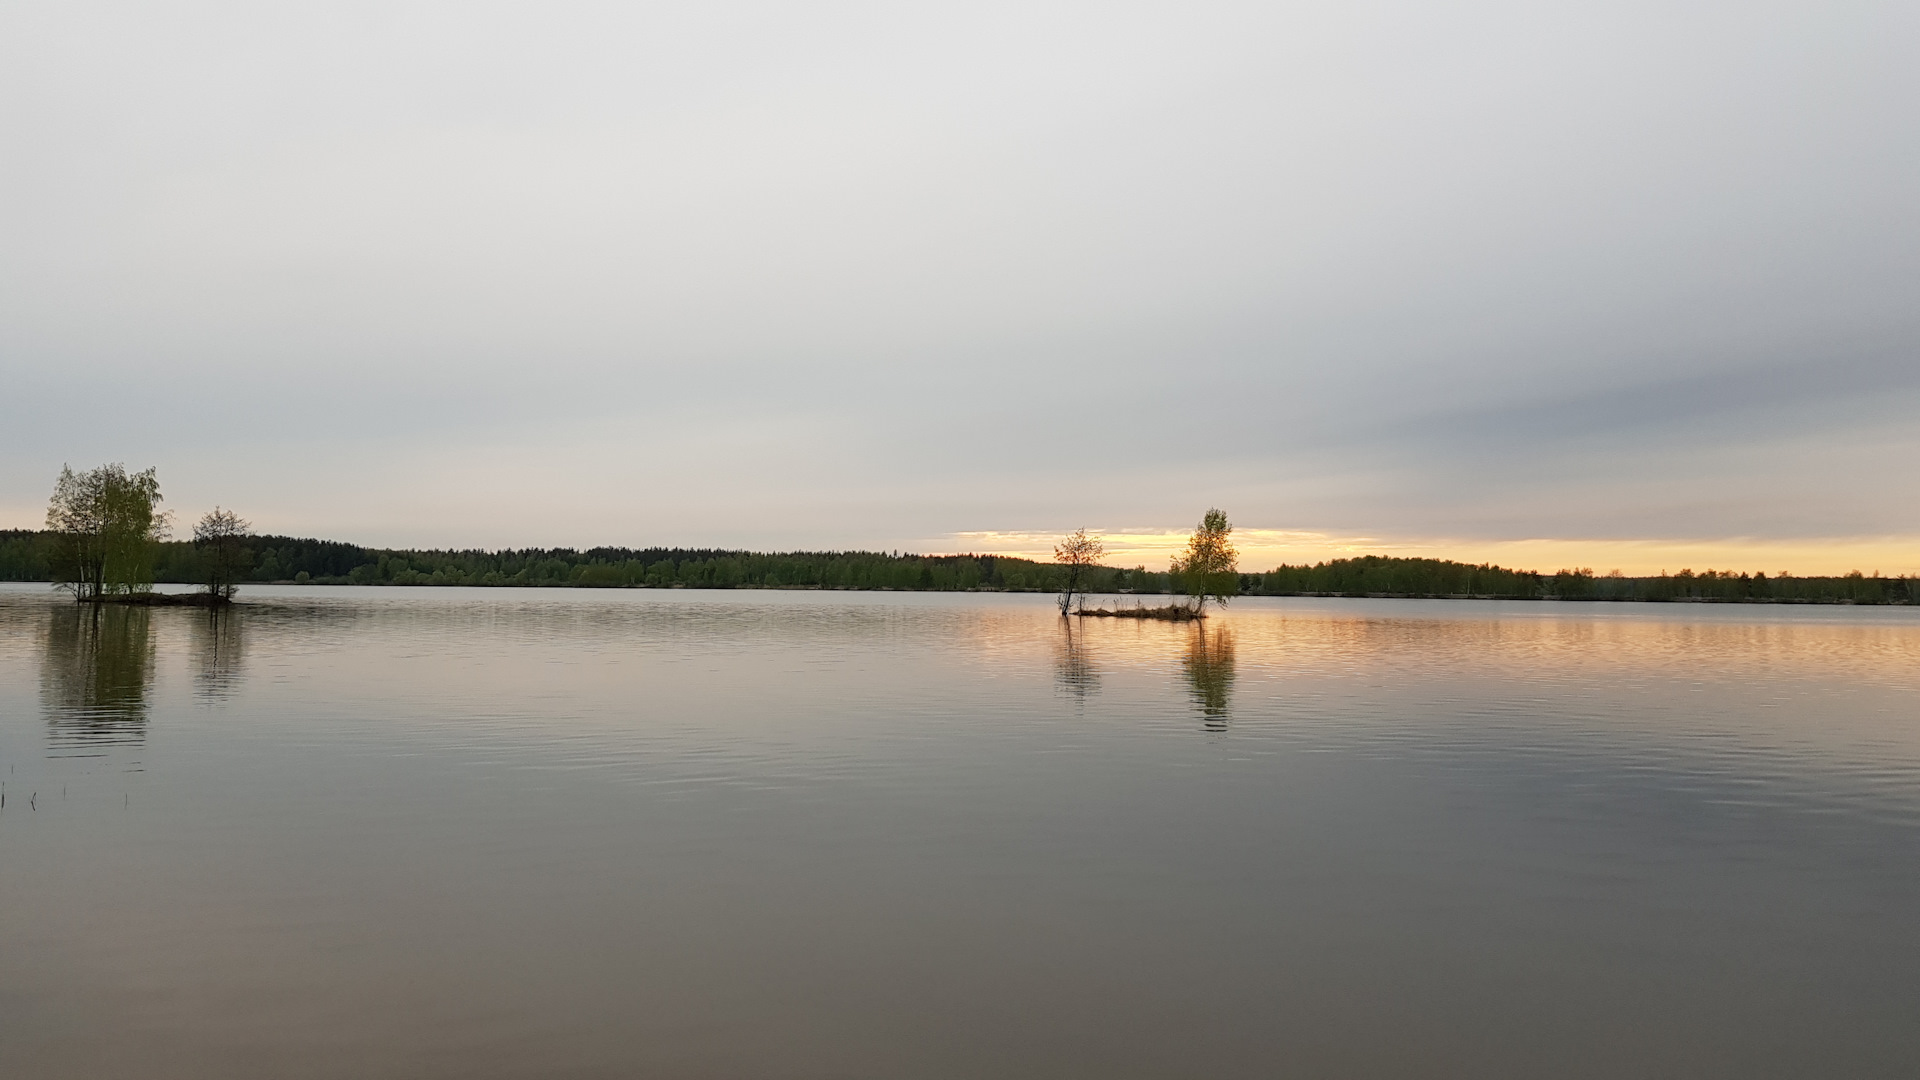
(1079, 553)
(1209, 567)
(105, 523)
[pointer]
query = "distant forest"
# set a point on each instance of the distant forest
(23, 557)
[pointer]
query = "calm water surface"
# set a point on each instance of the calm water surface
(517, 833)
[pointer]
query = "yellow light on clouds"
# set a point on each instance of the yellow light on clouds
(1263, 549)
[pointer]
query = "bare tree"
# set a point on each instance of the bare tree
(221, 538)
(105, 523)
(1078, 553)
(1209, 566)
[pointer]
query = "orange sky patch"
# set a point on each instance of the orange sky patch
(1262, 549)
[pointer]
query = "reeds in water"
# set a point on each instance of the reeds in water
(1169, 613)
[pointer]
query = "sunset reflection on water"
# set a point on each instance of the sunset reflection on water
(516, 832)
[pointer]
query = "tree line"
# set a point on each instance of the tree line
(1377, 575)
(107, 538)
(26, 555)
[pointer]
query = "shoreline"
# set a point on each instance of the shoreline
(206, 600)
(1169, 613)
(156, 599)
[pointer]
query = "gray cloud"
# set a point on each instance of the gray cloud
(795, 274)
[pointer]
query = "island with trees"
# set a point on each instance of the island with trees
(106, 532)
(1207, 570)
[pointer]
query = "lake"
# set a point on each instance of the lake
(413, 832)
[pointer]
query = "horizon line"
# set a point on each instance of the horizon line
(1151, 548)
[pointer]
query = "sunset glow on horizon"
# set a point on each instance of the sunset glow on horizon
(1263, 549)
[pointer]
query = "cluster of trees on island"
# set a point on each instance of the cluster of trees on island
(106, 531)
(107, 538)
(1206, 570)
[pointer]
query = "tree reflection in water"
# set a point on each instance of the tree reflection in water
(1208, 666)
(219, 648)
(1073, 666)
(95, 674)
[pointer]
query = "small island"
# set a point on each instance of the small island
(1167, 612)
(1207, 570)
(106, 527)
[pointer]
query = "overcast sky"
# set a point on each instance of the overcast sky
(881, 275)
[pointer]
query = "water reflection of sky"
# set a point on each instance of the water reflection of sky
(901, 833)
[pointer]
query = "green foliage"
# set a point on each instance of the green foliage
(220, 539)
(1207, 568)
(1375, 575)
(23, 557)
(104, 524)
(280, 558)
